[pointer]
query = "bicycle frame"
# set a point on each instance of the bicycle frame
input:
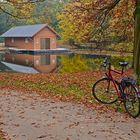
(126, 90)
(109, 75)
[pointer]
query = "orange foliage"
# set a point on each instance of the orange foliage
(100, 18)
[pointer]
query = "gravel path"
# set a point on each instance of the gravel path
(30, 117)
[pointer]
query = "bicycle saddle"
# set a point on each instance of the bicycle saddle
(123, 64)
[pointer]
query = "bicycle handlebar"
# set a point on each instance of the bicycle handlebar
(106, 62)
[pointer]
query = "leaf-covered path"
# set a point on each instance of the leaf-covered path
(30, 117)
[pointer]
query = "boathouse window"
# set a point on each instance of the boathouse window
(26, 40)
(12, 40)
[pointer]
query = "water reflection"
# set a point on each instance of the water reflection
(46, 63)
(30, 63)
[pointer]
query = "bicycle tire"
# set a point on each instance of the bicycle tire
(131, 98)
(108, 98)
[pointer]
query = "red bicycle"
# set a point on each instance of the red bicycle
(108, 90)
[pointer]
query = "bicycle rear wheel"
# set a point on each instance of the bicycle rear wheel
(132, 101)
(104, 91)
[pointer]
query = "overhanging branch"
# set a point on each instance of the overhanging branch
(16, 4)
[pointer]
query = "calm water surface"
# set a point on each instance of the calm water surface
(46, 63)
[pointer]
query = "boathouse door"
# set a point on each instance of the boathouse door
(45, 43)
(45, 60)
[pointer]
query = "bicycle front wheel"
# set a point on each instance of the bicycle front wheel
(132, 101)
(104, 91)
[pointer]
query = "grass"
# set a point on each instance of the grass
(73, 90)
(68, 86)
(75, 86)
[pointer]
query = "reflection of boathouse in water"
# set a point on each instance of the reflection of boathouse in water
(30, 63)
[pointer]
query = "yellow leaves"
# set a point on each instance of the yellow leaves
(73, 23)
(123, 12)
(78, 21)
(25, 9)
(123, 47)
(18, 8)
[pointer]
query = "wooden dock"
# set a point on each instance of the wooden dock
(41, 51)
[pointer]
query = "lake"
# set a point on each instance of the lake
(46, 63)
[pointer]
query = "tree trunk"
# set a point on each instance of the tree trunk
(137, 39)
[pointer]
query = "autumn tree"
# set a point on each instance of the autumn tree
(17, 8)
(16, 12)
(41, 11)
(137, 38)
(46, 11)
(86, 20)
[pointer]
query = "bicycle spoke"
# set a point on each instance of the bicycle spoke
(132, 102)
(104, 91)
